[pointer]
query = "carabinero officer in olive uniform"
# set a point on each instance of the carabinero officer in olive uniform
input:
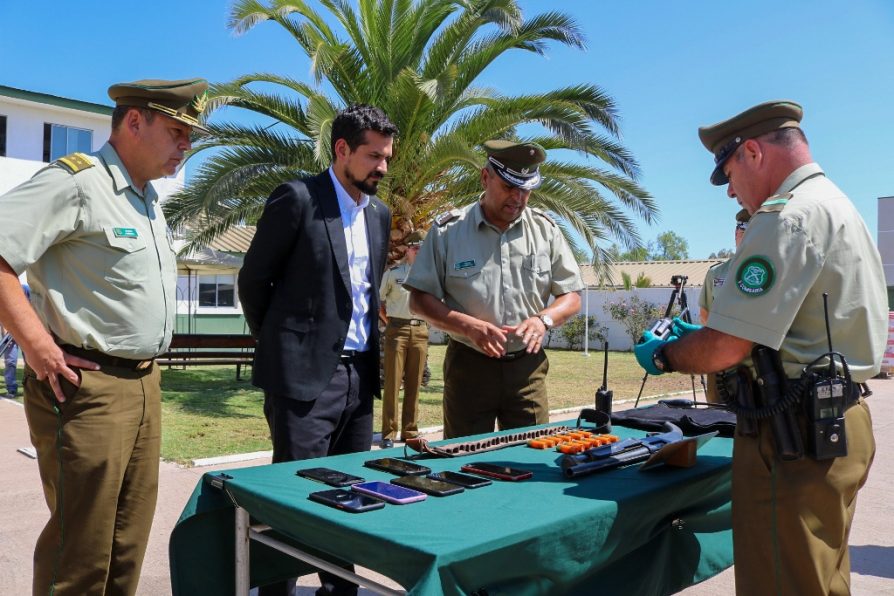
(796, 468)
(485, 275)
(406, 348)
(90, 232)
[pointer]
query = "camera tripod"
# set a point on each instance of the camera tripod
(678, 298)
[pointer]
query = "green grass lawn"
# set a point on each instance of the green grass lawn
(207, 412)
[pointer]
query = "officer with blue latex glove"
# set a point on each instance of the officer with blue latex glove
(648, 352)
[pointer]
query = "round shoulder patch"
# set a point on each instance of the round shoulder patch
(755, 276)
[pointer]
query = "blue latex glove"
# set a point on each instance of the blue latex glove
(681, 328)
(646, 346)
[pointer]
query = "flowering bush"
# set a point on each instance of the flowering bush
(635, 314)
(574, 328)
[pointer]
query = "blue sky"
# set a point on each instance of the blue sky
(670, 66)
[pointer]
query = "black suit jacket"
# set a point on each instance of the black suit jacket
(295, 286)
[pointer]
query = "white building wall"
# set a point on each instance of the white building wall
(886, 237)
(24, 140)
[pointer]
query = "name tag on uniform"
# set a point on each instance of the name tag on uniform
(718, 281)
(399, 281)
(463, 265)
(125, 232)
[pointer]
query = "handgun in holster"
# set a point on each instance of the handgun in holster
(743, 395)
(770, 387)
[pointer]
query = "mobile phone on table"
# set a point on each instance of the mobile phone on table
(329, 476)
(463, 480)
(346, 500)
(497, 471)
(397, 466)
(427, 485)
(388, 492)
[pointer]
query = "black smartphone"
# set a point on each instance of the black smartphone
(497, 471)
(463, 480)
(397, 466)
(427, 485)
(329, 476)
(346, 500)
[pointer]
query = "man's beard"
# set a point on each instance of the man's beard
(368, 186)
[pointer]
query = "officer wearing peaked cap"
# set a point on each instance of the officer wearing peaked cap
(485, 274)
(805, 240)
(103, 277)
(406, 349)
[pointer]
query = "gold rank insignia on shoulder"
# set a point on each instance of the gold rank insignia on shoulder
(543, 214)
(75, 162)
(775, 203)
(447, 217)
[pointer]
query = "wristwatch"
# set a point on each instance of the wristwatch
(547, 321)
(660, 360)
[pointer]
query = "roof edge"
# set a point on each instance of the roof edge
(55, 100)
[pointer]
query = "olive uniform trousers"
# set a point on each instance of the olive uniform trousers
(479, 390)
(791, 519)
(98, 458)
(406, 347)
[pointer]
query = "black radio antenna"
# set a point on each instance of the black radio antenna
(829, 335)
(605, 367)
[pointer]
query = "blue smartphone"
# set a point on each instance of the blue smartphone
(388, 492)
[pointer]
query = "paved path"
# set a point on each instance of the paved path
(23, 512)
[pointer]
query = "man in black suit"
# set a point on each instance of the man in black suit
(309, 289)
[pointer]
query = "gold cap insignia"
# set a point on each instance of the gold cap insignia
(199, 102)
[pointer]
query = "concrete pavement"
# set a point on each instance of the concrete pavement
(23, 511)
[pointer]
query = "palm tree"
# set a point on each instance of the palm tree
(419, 61)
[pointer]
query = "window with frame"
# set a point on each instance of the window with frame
(2, 135)
(217, 291)
(60, 140)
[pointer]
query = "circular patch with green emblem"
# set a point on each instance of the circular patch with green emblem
(755, 276)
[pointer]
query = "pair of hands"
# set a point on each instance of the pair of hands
(492, 340)
(649, 343)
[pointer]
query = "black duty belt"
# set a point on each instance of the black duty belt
(105, 360)
(399, 321)
(352, 355)
(508, 357)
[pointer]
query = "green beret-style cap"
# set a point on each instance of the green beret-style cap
(722, 139)
(182, 100)
(415, 238)
(516, 163)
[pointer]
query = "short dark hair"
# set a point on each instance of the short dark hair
(120, 112)
(352, 123)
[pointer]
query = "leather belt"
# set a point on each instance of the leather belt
(509, 357)
(103, 359)
(413, 322)
(351, 355)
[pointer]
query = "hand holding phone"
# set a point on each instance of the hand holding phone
(389, 492)
(497, 471)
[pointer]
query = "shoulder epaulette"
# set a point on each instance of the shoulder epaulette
(543, 214)
(447, 217)
(75, 162)
(775, 203)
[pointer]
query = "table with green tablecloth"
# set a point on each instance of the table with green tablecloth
(620, 532)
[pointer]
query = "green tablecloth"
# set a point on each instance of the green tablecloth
(619, 532)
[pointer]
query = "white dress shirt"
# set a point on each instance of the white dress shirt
(353, 222)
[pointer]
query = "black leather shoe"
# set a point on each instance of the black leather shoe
(386, 444)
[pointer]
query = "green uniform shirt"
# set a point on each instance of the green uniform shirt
(807, 240)
(714, 279)
(99, 257)
(499, 277)
(395, 297)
